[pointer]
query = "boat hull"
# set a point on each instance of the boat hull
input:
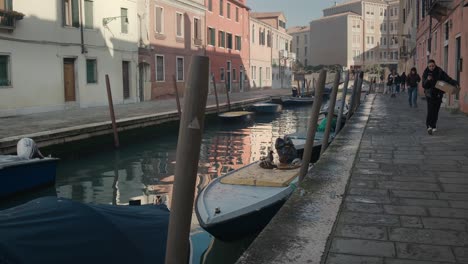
(27, 175)
(267, 108)
(296, 101)
(244, 225)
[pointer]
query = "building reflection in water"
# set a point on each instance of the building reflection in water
(144, 169)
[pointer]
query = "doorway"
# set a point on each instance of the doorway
(241, 79)
(126, 80)
(69, 79)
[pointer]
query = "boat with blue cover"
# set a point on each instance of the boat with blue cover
(58, 230)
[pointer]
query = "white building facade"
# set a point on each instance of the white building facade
(58, 55)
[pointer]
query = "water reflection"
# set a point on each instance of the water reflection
(144, 166)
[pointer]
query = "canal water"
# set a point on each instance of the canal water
(92, 171)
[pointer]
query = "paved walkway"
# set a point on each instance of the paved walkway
(405, 202)
(407, 198)
(34, 123)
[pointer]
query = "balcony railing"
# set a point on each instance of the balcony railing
(8, 19)
(439, 8)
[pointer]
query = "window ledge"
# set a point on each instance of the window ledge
(6, 87)
(180, 39)
(159, 36)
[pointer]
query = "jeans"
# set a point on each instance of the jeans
(433, 107)
(397, 88)
(413, 96)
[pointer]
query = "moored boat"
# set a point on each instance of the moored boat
(267, 108)
(243, 201)
(236, 116)
(25, 171)
(296, 101)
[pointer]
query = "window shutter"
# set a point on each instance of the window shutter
(88, 14)
(75, 13)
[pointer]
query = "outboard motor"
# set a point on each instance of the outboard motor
(27, 149)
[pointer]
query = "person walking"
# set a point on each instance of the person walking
(392, 80)
(412, 80)
(431, 75)
(403, 82)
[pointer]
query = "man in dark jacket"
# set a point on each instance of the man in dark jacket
(431, 75)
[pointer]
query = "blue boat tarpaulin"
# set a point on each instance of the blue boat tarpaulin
(58, 230)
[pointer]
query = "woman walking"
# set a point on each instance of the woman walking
(431, 75)
(392, 81)
(412, 81)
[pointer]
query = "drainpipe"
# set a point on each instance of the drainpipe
(83, 50)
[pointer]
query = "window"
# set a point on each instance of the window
(253, 33)
(210, 5)
(221, 7)
(124, 20)
(5, 78)
(91, 71)
(228, 10)
(179, 25)
(88, 6)
(268, 73)
(268, 39)
(71, 13)
(229, 40)
(180, 68)
(160, 68)
(197, 29)
(221, 76)
(221, 39)
(159, 20)
(305, 39)
(237, 14)
(211, 36)
(305, 51)
(234, 75)
(238, 43)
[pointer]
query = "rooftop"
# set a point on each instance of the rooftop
(266, 14)
(337, 15)
(298, 29)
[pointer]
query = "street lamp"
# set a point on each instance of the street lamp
(107, 20)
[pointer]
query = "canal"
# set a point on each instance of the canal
(92, 171)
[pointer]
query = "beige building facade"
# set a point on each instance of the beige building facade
(357, 35)
(300, 43)
(261, 52)
(408, 32)
(282, 57)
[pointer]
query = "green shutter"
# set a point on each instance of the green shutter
(4, 81)
(75, 13)
(88, 14)
(91, 71)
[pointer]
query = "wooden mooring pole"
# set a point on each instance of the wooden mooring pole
(177, 96)
(187, 158)
(112, 114)
(331, 112)
(343, 104)
(352, 99)
(215, 92)
(312, 127)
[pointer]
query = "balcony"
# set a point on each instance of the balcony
(439, 8)
(8, 19)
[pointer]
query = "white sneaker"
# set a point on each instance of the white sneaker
(429, 130)
(434, 129)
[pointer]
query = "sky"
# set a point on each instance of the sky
(297, 12)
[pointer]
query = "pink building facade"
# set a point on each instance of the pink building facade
(445, 40)
(227, 43)
(175, 32)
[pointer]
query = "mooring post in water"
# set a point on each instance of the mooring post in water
(353, 95)
(111, 110)
(227, 96)
(360, 81)
(216, 93)
(343, 103)
(177, 96)
(331, 112)
(308, 87)
(299, 92)
(187, 156)
(312, 127)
